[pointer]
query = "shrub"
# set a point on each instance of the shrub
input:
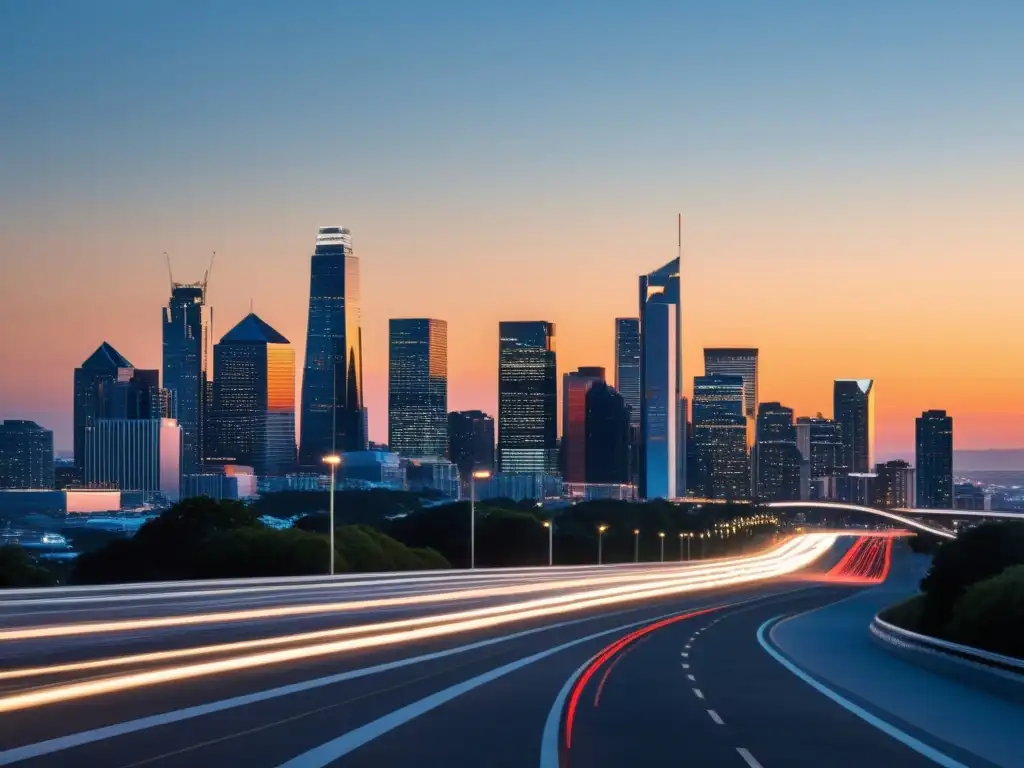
(990, 614)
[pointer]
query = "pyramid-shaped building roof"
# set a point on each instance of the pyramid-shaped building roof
(253, 330)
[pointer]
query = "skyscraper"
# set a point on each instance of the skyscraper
(935, 460)
(527, 397)
(184, 368)
(575, 386)
(854, 410)
(26, 455)
(778, 459)
(471, 441)
(253, 417)
(418, 387)
(894, 485)
(607, 431)
(662, 452)
(737, 361)
(720, 437)
(332, 380)
(821, 445)
(627, 364)
(141, 455)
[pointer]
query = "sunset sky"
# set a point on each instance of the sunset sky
(851, 177)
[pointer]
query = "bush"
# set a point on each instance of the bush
(367, 549)
(990, 614)
(17, 569)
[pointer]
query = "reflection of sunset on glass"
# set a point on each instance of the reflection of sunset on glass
(849, 217)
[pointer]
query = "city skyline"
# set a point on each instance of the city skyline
(860, 257)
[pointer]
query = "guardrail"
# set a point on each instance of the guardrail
(993, 672)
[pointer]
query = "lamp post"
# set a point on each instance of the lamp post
(688, 537)
(478, 474)
(551, 541)
(332, 460)
(661, 535)
(681, 537)
(600, 539)
(636, 545)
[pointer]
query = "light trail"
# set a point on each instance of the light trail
(900, 518)
(795, 555)
(162, 622)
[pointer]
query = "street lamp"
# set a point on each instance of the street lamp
(681, 537)
(332, 460)
(551, 540)
(600, 538)
(636, 545)
(478, 474)
(661, 535)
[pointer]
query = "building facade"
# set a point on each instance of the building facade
(418, 387)
(26, 455)
(662, 453)
(934, 443)
(333, 417)
(854, 411)
(471, 441)
(575, 386)
(627, 365)
(94, 391)
(607, 436)
(184, 369)
(527, 397)
(821, 447)
(254, 398)
(742, 362)
(777, 456)
(894, 485)
(142, 455)
(720, 437)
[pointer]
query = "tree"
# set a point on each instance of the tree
(17, 569)
(990, 614)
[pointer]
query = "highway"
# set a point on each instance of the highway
(655, 664)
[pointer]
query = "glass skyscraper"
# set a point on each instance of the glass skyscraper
(737, 361)
(527, 397)
(854, 410)
(662, 455)
(332, 379)
(142, 455)
(720, 437)
(777, 457)
(418, 387)
(627, 364)
(935, 460)
(607, 435)
(575, 386)
(471, 441)
(253, 419)
(184, 369)
(821, 446)
(26, 455)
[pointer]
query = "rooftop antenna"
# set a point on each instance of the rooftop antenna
(206, 276)
(169, 273)
(250, 305)
(679, 222)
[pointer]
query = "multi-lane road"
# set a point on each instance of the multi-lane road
(661, 664)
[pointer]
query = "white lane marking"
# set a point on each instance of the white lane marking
(335, 749)
(698, 693)
(905, 738)
(691, 678)
(716, 717)
(687, 646)
(686, 666)
(176, 716)
(751, 760)
(685, 655)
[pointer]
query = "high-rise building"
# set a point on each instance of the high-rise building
(737, 361)
(821, 447)
(185, 328)
(575, 386)
(253, 419)
(720, 437)
(142, 455)
(894, 485)
(778, 458)
(607, 428)
(662, 454)
(107, 386)
(935, 460)
(627, 364)
(26, 455)
(471, 441)
(527, 397)
(418, 387)
(854, 410)
(333, 418)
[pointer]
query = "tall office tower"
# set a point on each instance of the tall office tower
(627, 364)
(894, 485)
(471, 441)
(821, 446)
(662, 454)
(720, 437)
(607, 428)
(778, 458)
(935, 460)
(332, 381)
(141, 455)
(527, 397)
(95, 384)
(184, 368)
(737, 361)
(418, 387)
(575, 386)
(854, 410)
(253, 417)
(26, 455)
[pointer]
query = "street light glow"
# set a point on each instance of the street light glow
(332, 459)
(481, 474)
